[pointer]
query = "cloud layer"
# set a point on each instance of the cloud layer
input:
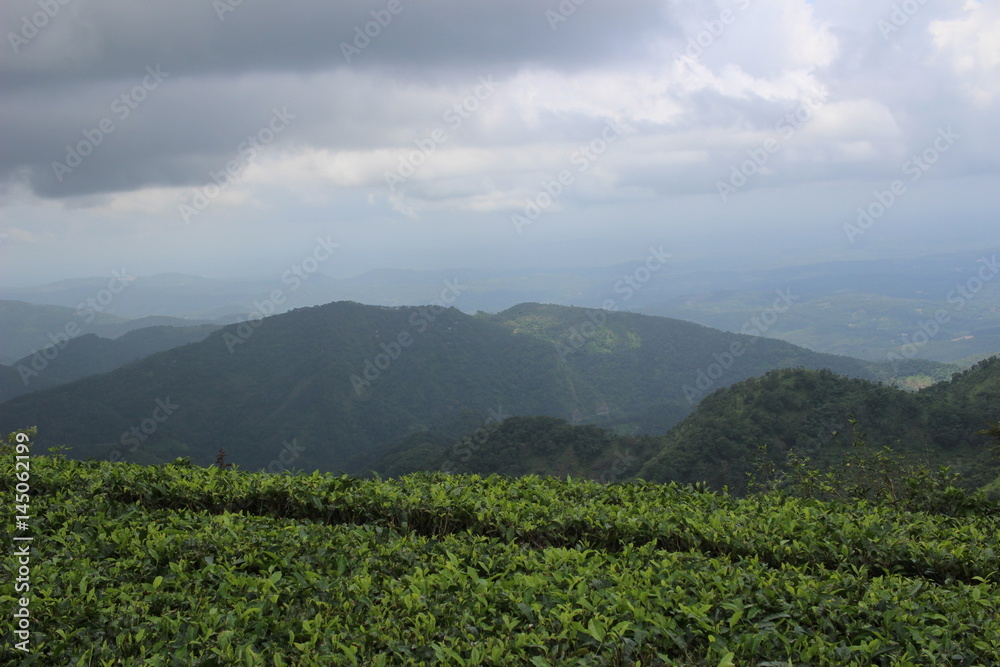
(438, 123)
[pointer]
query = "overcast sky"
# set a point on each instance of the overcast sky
(223, 138)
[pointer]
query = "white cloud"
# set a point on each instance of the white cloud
(972, 46)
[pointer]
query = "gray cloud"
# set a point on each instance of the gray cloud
(698, 87)
(225, 74)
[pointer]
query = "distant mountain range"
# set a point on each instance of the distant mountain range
(944, 307)
(26, 328)
(89, 354)
(333, 387)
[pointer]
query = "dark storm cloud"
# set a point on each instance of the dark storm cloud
(95, 40)
(228, 64)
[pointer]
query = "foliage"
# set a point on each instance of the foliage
(994, 432)
(810, 413)
(8, 445)
(177, 565)
(522, 446)
(877, 476)
(220, 460)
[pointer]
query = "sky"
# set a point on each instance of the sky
(225, 138)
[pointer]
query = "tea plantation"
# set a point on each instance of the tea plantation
(181, 565)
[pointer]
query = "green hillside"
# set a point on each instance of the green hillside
(792, 411)
(809, 412)
(255, 390)
(519, 446)
(668, 365)
(178, 565)
(330, 387)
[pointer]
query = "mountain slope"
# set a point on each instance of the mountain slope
(25, 327)
(809, 412)
(90, 354)
(668, 365)
(520, 446)
(330, 387)
(256, 391)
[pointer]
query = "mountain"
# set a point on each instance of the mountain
(197, 297)
(285, 388)
(668, 365)
(90, 354)
(863, 325)
(329, 387)
(11, 384)
(28, 327)
(941, 307)
(809, 412)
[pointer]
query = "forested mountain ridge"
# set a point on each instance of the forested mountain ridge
(672, 364)
(330, 387)
(810, 412)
